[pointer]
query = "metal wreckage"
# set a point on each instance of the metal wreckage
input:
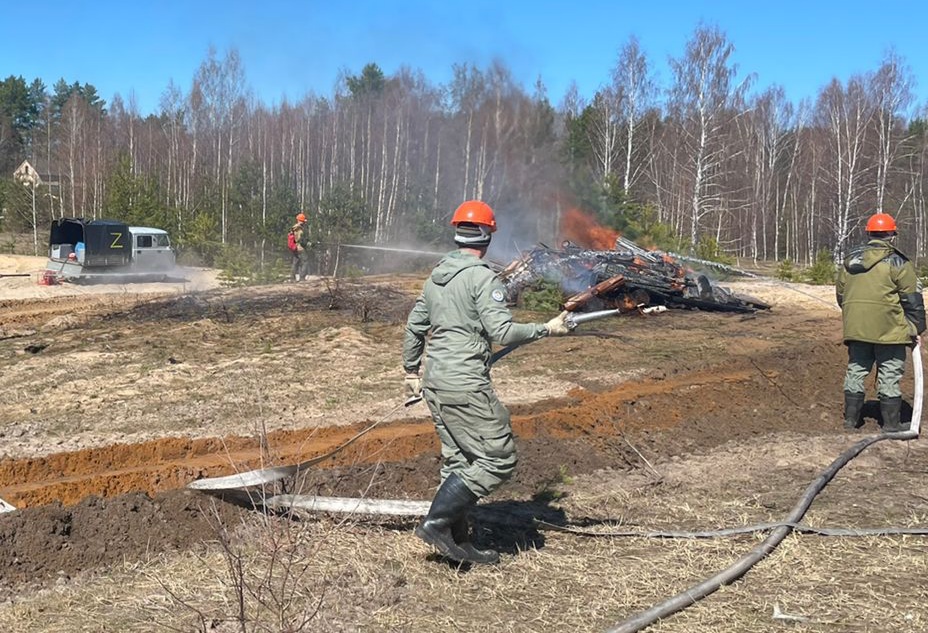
(625, 279)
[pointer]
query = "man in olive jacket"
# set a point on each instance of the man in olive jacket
(461, 312)
(883, 312)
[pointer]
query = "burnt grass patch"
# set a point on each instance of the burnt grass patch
(350, 300)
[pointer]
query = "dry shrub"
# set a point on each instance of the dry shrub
(267, 582)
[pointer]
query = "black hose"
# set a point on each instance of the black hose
(747, 529)
(741, 567)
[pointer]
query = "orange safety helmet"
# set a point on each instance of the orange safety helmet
(300, 217)
(475, 212)
(881, 223)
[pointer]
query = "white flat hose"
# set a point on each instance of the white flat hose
(915, 426)
(349, 505)
(245, 480)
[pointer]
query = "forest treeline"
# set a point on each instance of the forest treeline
(709, 162)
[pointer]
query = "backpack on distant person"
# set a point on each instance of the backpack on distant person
(291, 242)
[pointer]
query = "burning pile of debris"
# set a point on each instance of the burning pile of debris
(626, 278)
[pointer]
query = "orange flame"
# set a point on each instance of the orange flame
(585, 231)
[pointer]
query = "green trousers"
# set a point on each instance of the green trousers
(476, 437)
(890, 365)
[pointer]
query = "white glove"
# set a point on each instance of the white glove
(413, 386)
(558, 325)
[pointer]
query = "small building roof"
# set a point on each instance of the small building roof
(34, 173)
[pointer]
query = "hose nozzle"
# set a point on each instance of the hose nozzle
(573, 319)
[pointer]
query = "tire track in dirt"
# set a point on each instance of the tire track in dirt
(171, 463)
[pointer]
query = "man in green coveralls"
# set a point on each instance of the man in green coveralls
(462, 311)
(883, 312)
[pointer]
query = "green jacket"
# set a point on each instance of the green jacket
(880, 295)
(462, 310)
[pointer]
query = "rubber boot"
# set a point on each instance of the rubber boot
(460, 532)
(853, 405)
(452, 502)
(891, 411)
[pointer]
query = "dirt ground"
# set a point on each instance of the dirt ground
(116, 397)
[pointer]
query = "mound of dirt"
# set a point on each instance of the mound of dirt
(53, 541)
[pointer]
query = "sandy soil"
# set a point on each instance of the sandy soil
(113, 402)
(20, 278)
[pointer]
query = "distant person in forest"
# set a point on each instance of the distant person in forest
(459, 314)
(883, 312)
(296, 242)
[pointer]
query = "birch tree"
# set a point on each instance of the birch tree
(845, 115)
(703, 99)
(173, 111)
(632, 78)
(467, 91)
(916, 158)
(766, 128)
(222, 85)
(892, 91)
(602, 126)
(73, 120)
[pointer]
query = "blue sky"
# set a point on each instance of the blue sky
(291, 48)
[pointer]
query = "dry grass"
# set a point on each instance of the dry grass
(381, 580)
(371, 575)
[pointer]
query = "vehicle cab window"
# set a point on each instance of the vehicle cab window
(143, 241)
(161, 241)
